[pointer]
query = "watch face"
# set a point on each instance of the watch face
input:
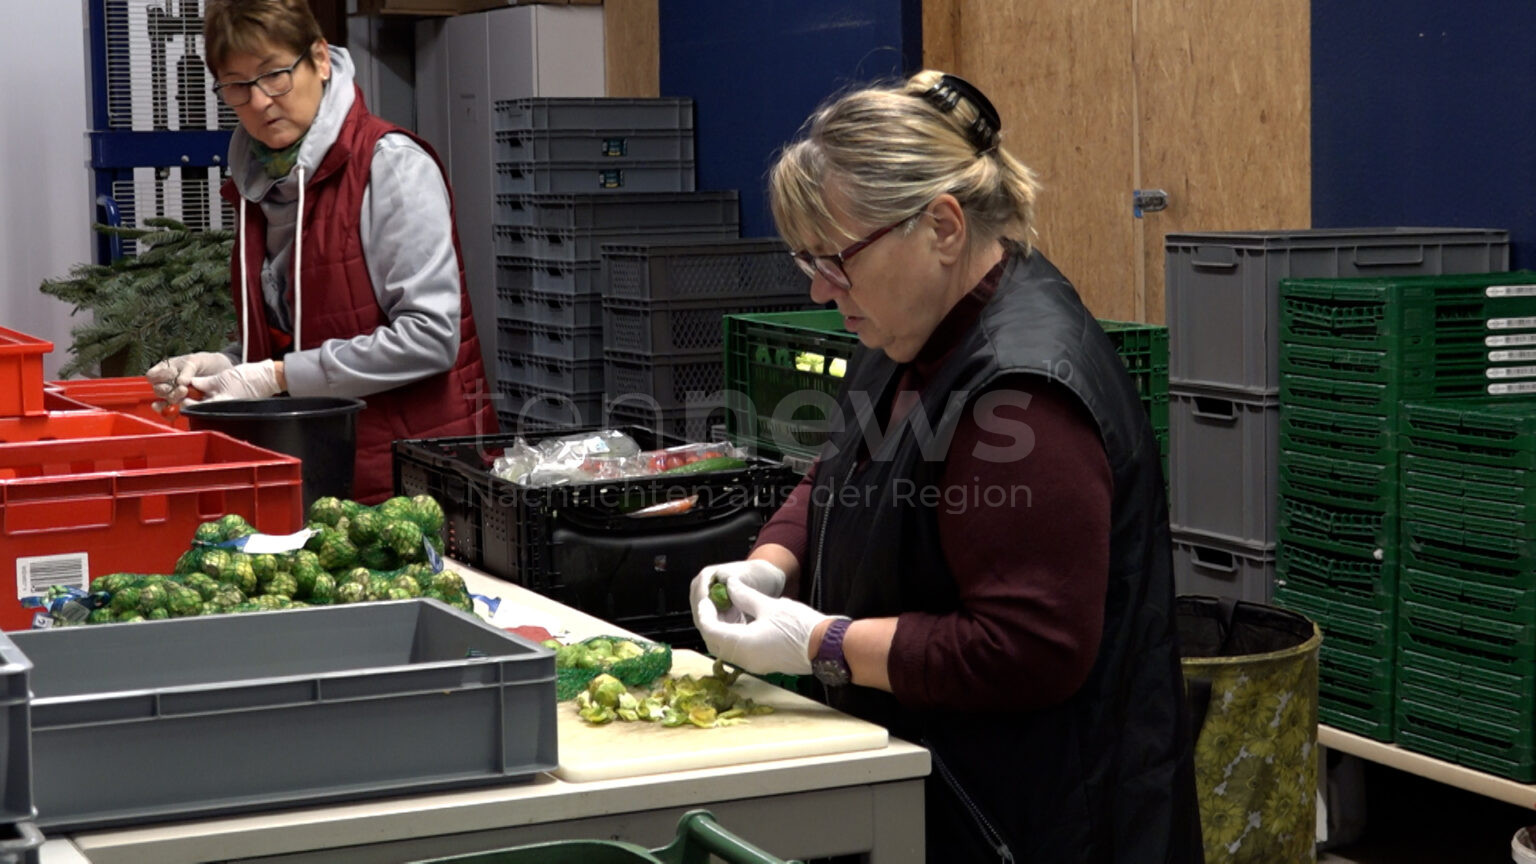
(831, 672)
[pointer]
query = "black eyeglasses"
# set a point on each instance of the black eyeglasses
(278, 82)
(830, 267)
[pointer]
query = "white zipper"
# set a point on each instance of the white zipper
(990, 834)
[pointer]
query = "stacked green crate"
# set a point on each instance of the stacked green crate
(1350, 352)
(1467, 605)
(1144, 349)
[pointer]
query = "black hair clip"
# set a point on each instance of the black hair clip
(984, 130)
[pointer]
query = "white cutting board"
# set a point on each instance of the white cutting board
(798, 727)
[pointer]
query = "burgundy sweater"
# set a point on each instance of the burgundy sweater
(1031, 573)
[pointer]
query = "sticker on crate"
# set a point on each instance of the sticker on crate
(35, 575)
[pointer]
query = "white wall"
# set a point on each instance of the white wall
(45, 185)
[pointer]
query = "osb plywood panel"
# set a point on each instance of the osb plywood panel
(1059, 73)
(1225, 118)
(632, 48)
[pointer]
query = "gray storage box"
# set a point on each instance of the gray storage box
(1223, 288)
(516, 178)
(15, 738)
(566, 113)
(1203, 565)
(201, 716)
(597, 212)
(20, 843)
(1223, 476)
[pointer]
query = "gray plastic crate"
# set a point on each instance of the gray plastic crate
(1223, 457)
(20, 843)
(606, 212)
(531, 409)
(222, 714)
(1223, 288)
(727, 269)
(16, 801)
(546, 373)
(619, 146)
(672, 383)
(690, 424)
(554, 310)
(560, 343)
(1203, 565)
(565, 113)
(586, 247)
(561, 177)
(690, 327)
(519, 275)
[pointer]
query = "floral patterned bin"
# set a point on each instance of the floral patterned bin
(1251, 673)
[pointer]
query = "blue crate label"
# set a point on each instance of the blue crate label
(1512, 372)
(1526, 323)
(269, 544)
(485, 607)
(1522, 356)
(35, 575)
(433, 559)
(1517, 389)
(1510, 341)
(613, 178)
(1510, 291)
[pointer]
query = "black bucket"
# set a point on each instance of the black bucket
(320, 430)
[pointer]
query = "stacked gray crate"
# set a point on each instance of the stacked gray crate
(664, 306)
(1222, 291)
(570, 176)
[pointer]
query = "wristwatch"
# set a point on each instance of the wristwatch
(829, 665)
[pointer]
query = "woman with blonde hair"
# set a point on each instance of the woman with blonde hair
(979, 559)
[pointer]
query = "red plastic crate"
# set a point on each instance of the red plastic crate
(69, 425)
(129, 395)
(74, 510)
(21, 373)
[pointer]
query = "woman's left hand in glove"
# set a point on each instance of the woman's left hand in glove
(776, 636)
(245, 381)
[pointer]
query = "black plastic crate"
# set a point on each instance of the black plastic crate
(687, 327)
(519, 405)
(673, 383)
(606, 212)
(577, 544)
(685, 424)
(549, 309)
(547, 113)
(728, 269)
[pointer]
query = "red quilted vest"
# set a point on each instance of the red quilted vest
(339, 303)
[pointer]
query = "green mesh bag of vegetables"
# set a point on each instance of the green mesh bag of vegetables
(634, 662)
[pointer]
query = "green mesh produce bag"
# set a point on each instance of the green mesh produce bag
(1251, 673)
(634, 672)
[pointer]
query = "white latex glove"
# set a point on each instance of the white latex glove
(171, 377)
(775, 638)
(758, 575)
(246, 381)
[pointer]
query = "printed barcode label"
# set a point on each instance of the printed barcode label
(1512, 389)
(1511, 323)
(1505, 341)
(1525, 356)
(34, 576)
(1511, 291)
(1512, 372)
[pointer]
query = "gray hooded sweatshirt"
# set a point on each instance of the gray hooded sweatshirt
(407, 239)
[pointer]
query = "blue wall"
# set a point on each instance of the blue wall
(1424, 113)
(755, 70)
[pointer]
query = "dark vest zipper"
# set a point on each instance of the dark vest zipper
(988, 833)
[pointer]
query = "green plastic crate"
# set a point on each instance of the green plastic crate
(1402, 312)
(1337, 394)
(1487, 557)
(698, 838)
(1457, 511)
(1507, 487)
(1414, 374)
(1335, 435)
(1338, 481)
(1468, 597)
(771, 357)
(1369, 584)
(1465, 739)
(1513, 691)
(1358, 630)
(1435, 626)
(1486, 433)
(1339, 531)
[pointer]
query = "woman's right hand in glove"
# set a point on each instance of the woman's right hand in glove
(756, 574)
(171, 377)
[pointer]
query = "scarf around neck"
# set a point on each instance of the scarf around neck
(277, 163)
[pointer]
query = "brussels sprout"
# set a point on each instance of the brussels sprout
(99, 616)
(282, 585)
(209, 533)
(327, 510)
(351, 592)
(600, 647)
(404, 538)
(720, 597)
(216, 563)
(240, 573)
(399, 594)
(206, 586)
(598, 715)
(350, 509)
(190, 561)
(323, 591)
(129, 616)
(423, 576)
(378, 557)
(605, 690)
(264, 566)
(427, 513)
(378, 587)
(407, 585)
(449, 583)
(363, 529)
(151, 597)
(159, 614)
(625, 650)
(396, 509)
(228, 597)
(182, 601)
(359, 575)
(211, 608)
(234, 526)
